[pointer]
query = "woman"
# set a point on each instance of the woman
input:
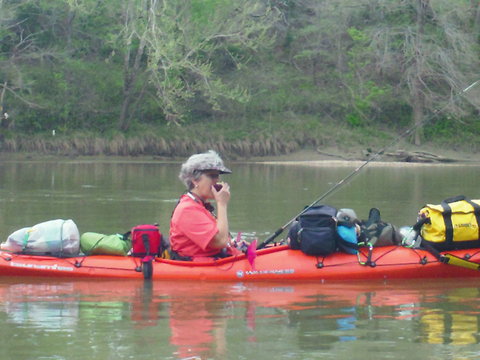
(195, 232)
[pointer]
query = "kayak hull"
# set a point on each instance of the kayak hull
(278, 263)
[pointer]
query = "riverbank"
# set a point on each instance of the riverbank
(323, 154)
(283, 139)
(359, 153)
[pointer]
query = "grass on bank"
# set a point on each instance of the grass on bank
(234, 139)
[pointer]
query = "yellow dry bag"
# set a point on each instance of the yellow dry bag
(453, 224)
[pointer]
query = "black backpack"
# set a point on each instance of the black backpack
(315, 231)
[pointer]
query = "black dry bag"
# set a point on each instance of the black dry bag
(315, 231)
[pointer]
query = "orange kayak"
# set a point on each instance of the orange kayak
(276, 263)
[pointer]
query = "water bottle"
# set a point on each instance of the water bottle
(409, 236)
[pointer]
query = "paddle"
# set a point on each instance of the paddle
(358, 169)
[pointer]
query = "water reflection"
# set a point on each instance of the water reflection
(211, 320)
(48, 312)
(457, 327)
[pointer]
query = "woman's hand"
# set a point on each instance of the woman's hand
(222, 196)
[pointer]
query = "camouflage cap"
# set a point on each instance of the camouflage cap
(209, 160)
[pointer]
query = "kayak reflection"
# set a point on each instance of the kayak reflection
(208, 320)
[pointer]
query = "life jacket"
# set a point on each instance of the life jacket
(347, 225)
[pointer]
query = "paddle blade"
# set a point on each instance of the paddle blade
(456, 261)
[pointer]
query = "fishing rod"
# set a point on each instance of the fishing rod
(358, 169)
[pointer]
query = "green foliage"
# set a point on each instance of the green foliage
(465, 130)
(236, 68)
(204, 11)
(184, 41)
(354, 120)
(358, 35)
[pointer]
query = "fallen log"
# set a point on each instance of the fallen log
(418, 156)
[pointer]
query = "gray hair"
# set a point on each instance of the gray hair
(192, 168)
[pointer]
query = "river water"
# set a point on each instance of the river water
(47, 319)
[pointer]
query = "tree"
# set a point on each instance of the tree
(187, 37)
(475, 7)
(430, 49)
(59, 57)
(135, 16)
(173, 45)
(387, 56)
(15, 47)
(328, 42)
(103, 64)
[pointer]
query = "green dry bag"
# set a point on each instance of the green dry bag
(100, 244)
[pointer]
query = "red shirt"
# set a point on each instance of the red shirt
(192, 228)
